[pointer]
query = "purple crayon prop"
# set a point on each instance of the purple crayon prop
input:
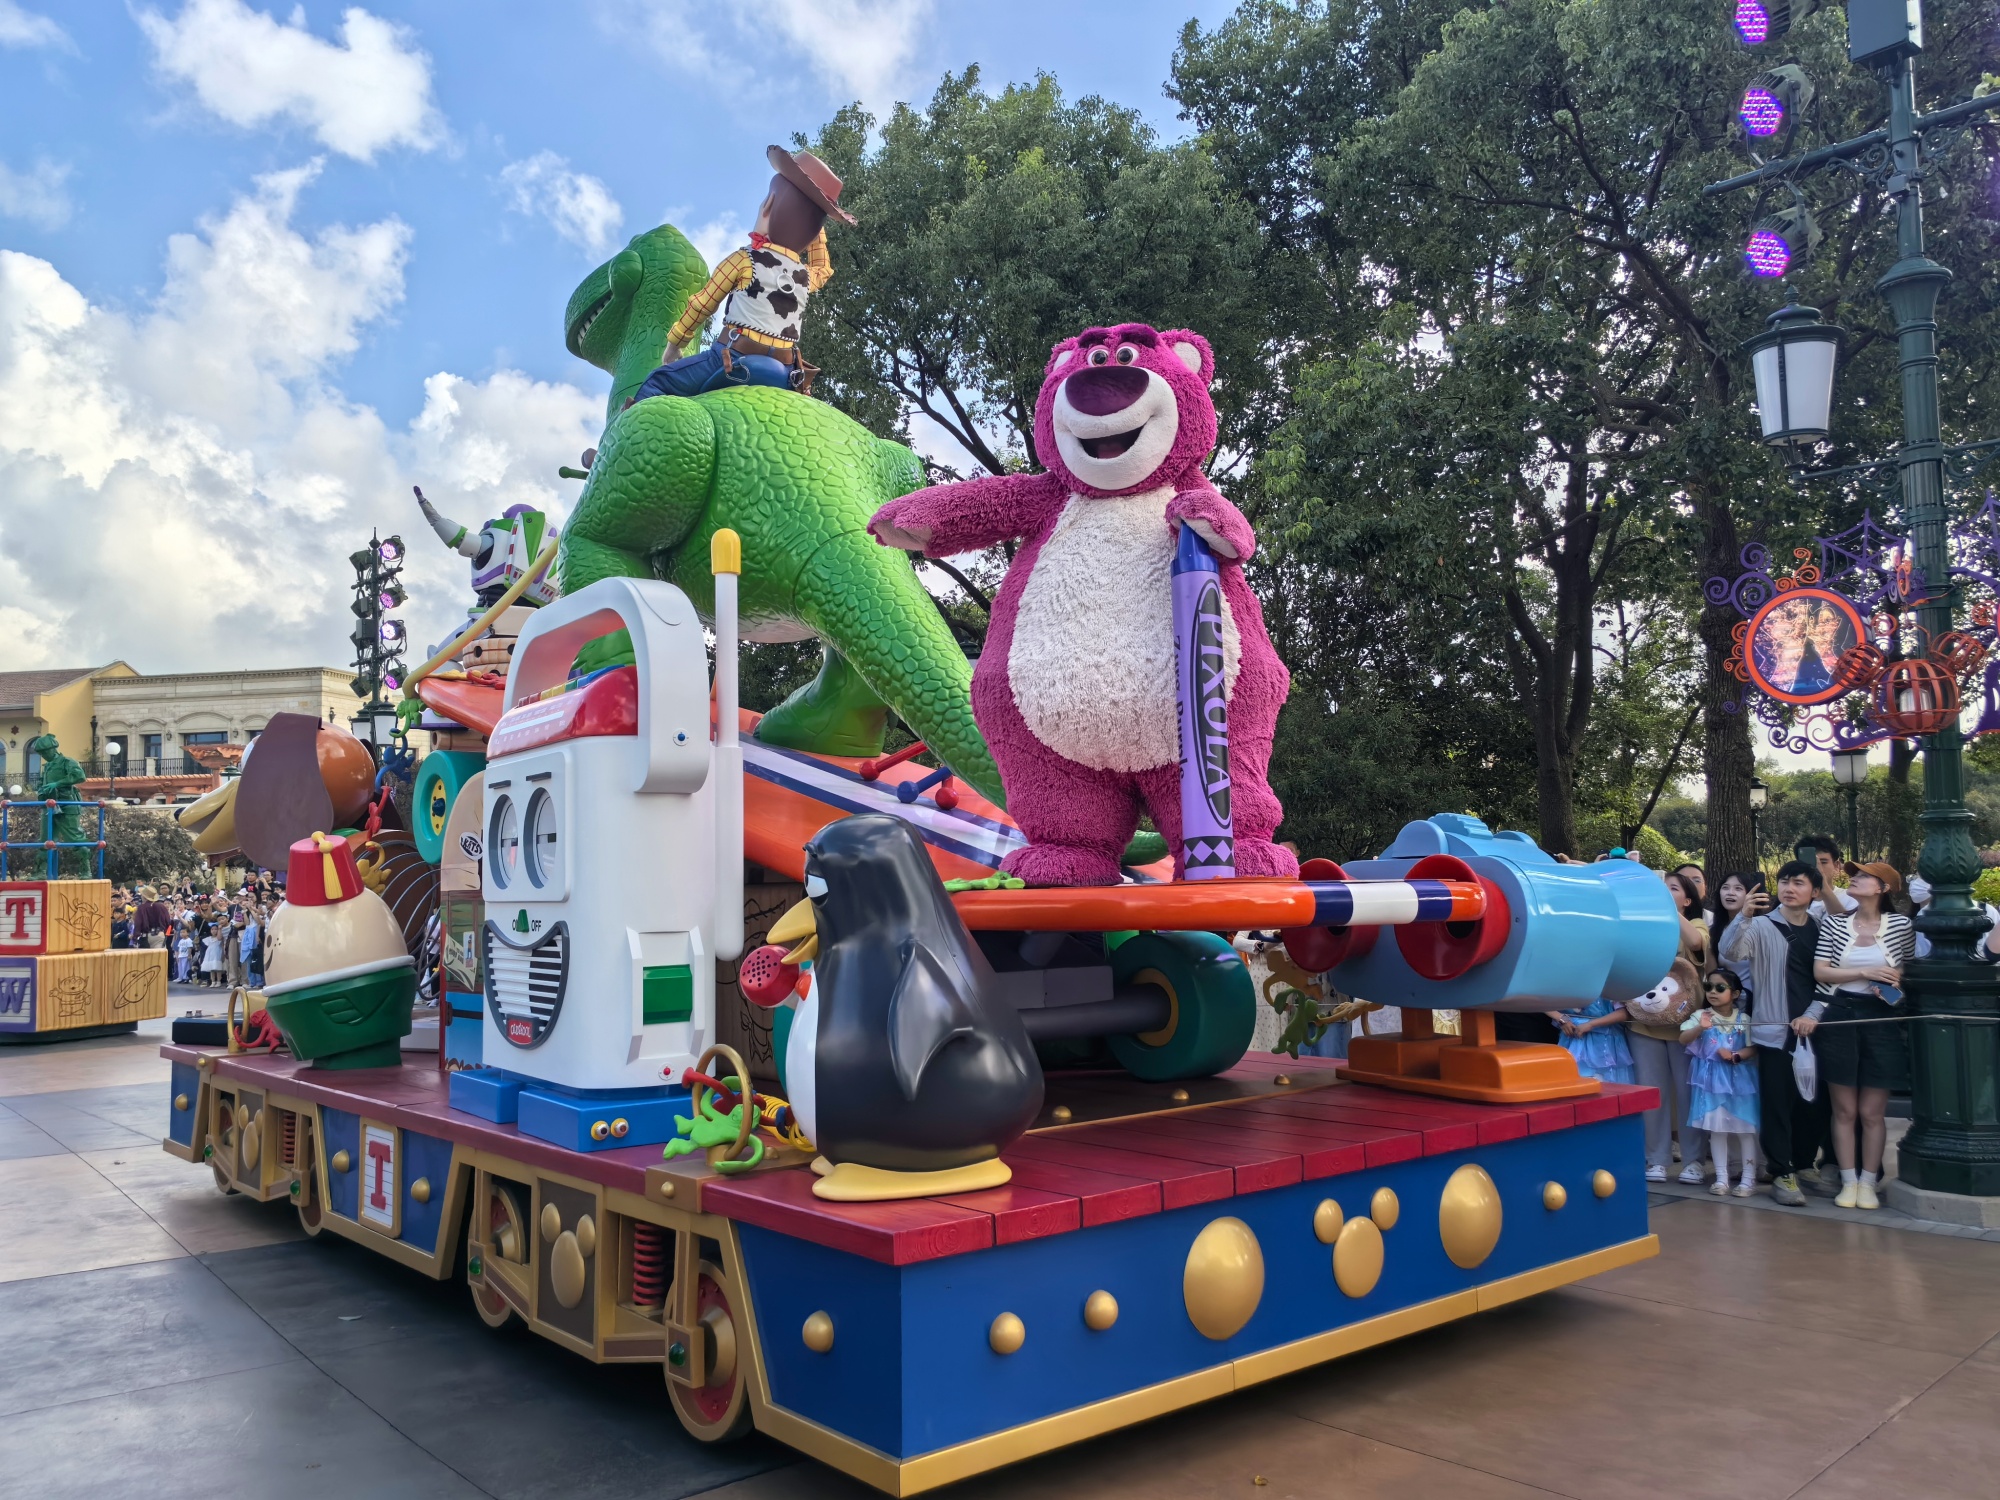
(1207, 835)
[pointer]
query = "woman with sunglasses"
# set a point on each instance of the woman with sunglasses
(1722, 1080)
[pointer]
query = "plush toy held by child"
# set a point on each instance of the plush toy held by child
(1075, 691)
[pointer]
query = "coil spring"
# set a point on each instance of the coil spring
(649, 1265)
(291, 1146)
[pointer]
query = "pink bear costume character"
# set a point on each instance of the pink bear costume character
(1075, 689)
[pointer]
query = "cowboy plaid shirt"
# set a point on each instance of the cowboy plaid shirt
(732, 275)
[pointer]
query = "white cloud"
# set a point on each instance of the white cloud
(369, 92)
(24, 28)
(35, 195)
(717, 237)
(579, 206)
(183, 485)
(859, 49)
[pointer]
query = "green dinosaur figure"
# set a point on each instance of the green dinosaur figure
(710, 1127)
(60, 777)
(798, 481)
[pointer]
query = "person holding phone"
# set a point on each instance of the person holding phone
(1779, 947)
(1859, 969)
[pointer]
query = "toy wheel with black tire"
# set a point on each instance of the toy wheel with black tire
(1213, 1008)
(506, 1238)
(718, 1411)
(312, 1218)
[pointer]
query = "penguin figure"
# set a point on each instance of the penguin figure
(903, 1069)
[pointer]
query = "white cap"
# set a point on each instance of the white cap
(1920, 890)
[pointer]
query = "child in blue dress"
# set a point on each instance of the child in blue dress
(1722, 1080)
(1600, 1050)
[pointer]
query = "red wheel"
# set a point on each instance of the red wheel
(719, 1410)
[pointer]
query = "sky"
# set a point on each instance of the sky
(262, 268)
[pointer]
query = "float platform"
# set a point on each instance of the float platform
(1159, 1245)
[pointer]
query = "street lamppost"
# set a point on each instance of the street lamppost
(1953, 1146)
(1850, 773)
(1760, 796)
(113, 750)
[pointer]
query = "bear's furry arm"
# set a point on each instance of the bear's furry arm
(1214, 519)
(947, 519)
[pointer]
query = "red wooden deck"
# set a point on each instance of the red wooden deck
(1065, 1178)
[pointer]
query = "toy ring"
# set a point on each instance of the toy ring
(725, 1158)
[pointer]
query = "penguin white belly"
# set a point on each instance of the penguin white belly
(802, 1062)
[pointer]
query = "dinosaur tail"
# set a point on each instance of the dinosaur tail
(867, 602)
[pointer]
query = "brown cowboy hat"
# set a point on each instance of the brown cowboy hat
(1886, 873)
(810, 176)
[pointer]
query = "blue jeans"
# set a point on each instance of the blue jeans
(704, 372)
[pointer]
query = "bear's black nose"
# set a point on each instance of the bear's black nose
(1103, 389)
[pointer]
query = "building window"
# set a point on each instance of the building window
(151, 742)
(207, 737)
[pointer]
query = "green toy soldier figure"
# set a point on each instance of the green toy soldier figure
(60, 778)
(767, 283)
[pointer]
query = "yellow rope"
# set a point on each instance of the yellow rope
(484, 623)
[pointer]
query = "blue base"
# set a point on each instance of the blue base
(465, 1037)
(911, 1371)
(565, 1119)
(488, 1094)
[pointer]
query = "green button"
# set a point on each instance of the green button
(667, 994)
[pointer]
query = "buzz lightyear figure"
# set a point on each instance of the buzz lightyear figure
(500, 551)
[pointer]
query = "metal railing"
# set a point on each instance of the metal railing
(44, 818)
(134, 765)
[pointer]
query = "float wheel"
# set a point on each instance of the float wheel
(220, 1151)
(506, 1237)
(719, 1411)
(1214, 1010)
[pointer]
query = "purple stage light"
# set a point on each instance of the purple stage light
(391, 681)
(1753, 23)
(1761, 112)
(1768, 254)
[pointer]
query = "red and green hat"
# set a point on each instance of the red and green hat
(320, 872)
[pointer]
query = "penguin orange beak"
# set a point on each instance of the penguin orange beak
(798, 926)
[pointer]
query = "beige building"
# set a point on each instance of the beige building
(176, 732)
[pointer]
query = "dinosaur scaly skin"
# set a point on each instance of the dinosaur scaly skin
(798, 481)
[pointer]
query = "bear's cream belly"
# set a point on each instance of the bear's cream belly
(1092, 661)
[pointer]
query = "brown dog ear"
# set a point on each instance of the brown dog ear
(281, 796)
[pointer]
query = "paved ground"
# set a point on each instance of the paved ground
(158, 1338)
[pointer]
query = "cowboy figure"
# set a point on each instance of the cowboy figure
(767, 284)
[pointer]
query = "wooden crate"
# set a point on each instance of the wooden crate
(79, 916)
(135, 986)
(70, 991)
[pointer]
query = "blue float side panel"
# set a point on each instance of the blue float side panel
(954, 1388)
(430, 1158)
(486, 1093)
(856, 1386)
(343, 1133)
(180, 1122)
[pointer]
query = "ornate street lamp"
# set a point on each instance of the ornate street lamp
(1793, 361)
(1952, 1151)
(114, 751)
(1760, 795)
(1850, 773)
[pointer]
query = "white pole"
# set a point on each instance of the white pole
(725, 555)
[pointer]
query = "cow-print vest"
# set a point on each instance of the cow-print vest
(773, 305)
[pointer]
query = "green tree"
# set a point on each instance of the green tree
(143, 846)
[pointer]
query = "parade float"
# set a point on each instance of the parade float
(854, 1089)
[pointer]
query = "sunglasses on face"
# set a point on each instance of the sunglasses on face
(1719, 989)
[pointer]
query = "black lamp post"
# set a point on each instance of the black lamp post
(1953, 1147)
(1850, 773)
(1760, 796)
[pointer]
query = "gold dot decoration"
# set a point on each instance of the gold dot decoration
(1327, 1221)
(181, 1102)
(420, 1190)
(1554, 1196)
(1179, 1096)
(1469, 1216)
(1007, 1334)
(566, 1269)
(586, 1235)
(551, 1221)
(1283, 1080)
(1100, 1311)
(1060, 1113)
(1384, 1208)
(1603, 1183)
(1224, 1278)
(1357, 1257)
(341, 1161)
(818, 1333)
